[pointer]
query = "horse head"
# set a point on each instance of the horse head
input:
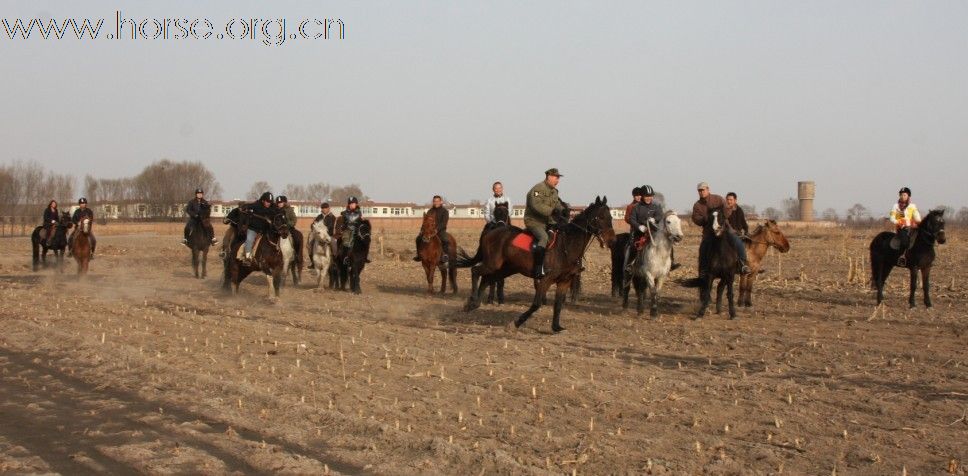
(673, 226)
(65, 221)
(85, 226)
(775, 237)
(597, 220)
(279, 225)
(321, 232)
(716, 221)
(933, 225)
(502, 215)
(429, 227)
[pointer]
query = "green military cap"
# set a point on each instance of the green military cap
(553, 171)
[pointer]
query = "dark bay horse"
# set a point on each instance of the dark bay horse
(266, 257)
(430, 251)
(920, 257)
(81, 246)
(199, 243)
(618, 264)
(349, 270)
(765, 236)
(723, 264)
(57, 243)
(500, 258)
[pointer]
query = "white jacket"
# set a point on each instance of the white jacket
(492, 203)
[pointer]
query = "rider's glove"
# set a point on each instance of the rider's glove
(642, 228)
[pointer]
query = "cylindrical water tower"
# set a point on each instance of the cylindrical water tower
(805, 192)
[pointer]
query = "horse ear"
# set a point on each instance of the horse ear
(940, 212)
(604, 199)
(598, 199)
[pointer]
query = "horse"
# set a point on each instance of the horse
(292, 257)
(321, 251)
(722, 263)
(618, 263)
(500, 257)
(763, 237)
(266, 257)
(81, 245)
(653, 263)
(351, 261)
(57, 243)
(199, 243)
(430, 251)
(919, 258)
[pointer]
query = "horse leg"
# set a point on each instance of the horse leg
(539, 294)
(575, 288)
(925, 278)
(490, 293)
(914, 286)
(640, 290)
(271, 281)
(719, 295)
(561, 293)
(452, 272)
(500, 291)
(625, 297)
(705, 292)
(477, 283)
(204, 263)
(195, 262)
(36, 255)
(654, 307)
(729, 297)
(443, 279)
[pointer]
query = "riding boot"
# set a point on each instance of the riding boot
(346, 258)
(444, 257)
(538, 254)
(417, 250)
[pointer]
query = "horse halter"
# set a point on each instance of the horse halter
(597, 233)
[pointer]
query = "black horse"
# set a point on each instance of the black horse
(618, 264)
(266, 257)
(57, 243)
(358, 253)
(198, 242)
(722, 263)
(920, 257)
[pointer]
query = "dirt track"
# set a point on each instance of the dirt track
(142, 368)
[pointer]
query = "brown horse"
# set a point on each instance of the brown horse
(765, 236)
(266, 257)
(499, 258)
(81, 245)
(430, 251)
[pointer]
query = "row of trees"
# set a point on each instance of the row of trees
(857, 213)
(28, 185)
(314, 192)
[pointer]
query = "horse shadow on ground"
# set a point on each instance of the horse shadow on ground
(70, 406)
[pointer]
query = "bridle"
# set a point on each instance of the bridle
(596, 232)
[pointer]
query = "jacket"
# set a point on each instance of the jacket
(258, 217)
(50, 216)
(701, 209)
(628, 212)
(908, 216)
(441, 215)
(642, 212)
(82, 213)
(198, 208)
(492, 203)
(290, 215)
(541, 204)
(737, 220)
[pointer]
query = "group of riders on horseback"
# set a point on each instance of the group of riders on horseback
(52, 218)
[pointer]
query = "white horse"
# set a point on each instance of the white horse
(320, 249)
(288, 258)
(654, 261)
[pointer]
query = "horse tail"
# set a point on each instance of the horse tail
(466, 261)
(692, 283)
(875, 264)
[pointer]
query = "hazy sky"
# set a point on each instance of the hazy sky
(446, 97)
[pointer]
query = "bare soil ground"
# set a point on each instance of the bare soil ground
(141, 368)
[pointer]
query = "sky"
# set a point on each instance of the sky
(433, 97)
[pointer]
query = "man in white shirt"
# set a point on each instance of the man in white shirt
(497, 200)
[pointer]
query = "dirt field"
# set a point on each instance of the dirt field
(141, 368)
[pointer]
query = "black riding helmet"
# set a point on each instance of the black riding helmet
(904, 190)
(647, 191)
(81, 200)
(282, 199)
(352, 200)
(266, 197)
(637, 191)
(199, 190)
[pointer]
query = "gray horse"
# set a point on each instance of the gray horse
(654, 262)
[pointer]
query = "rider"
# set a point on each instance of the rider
(736, 216)
(259, 216)
(351, 218)
(498, 199)
(329, 220)
(905, 217)
(542, 204)
(283, 203)
(700, 210)
(79, 215)
(51, 216)
(441, 215)
(199, 209)
(646, 212)
(636, 198)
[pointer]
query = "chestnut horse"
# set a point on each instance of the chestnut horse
(765, 236)
(919, 258)
(81, 246)
(57, 243)
(430, 251)
(266, 257)
(500, 258)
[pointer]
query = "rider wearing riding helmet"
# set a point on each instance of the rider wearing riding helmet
(905, 217)
(645, 213)
(258, 217)
(350, 219)
(199, 209)
(636, 198)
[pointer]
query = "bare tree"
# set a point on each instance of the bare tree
(962, 216)
(27, 186)
(318, 191)
(771, 213)
(791, 208)
(748, 209)
(858, 213)
(257, 189)
(165, 185)
(342, 194)
(948, 211)
(8, 191)
(830, 215)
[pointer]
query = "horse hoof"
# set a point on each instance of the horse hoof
(511, 327)
(558, 330)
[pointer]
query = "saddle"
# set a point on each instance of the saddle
(240, 254)
(525, 239)
(895, 242)
(641, 242)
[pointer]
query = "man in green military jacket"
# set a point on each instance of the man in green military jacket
(542, 205)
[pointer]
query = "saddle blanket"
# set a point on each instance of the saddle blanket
(524, 240)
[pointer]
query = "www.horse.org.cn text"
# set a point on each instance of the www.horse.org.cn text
(269, 32)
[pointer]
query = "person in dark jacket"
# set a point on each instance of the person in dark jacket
(700, 210)
(258, 217)
(735, 216)
(79, 215)
(645, 213)
(199, 209)
(442, 215)
(347, 223)
(51, 216)
(329, 221)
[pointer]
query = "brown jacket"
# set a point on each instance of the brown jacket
(628, 212)
(701, 209)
